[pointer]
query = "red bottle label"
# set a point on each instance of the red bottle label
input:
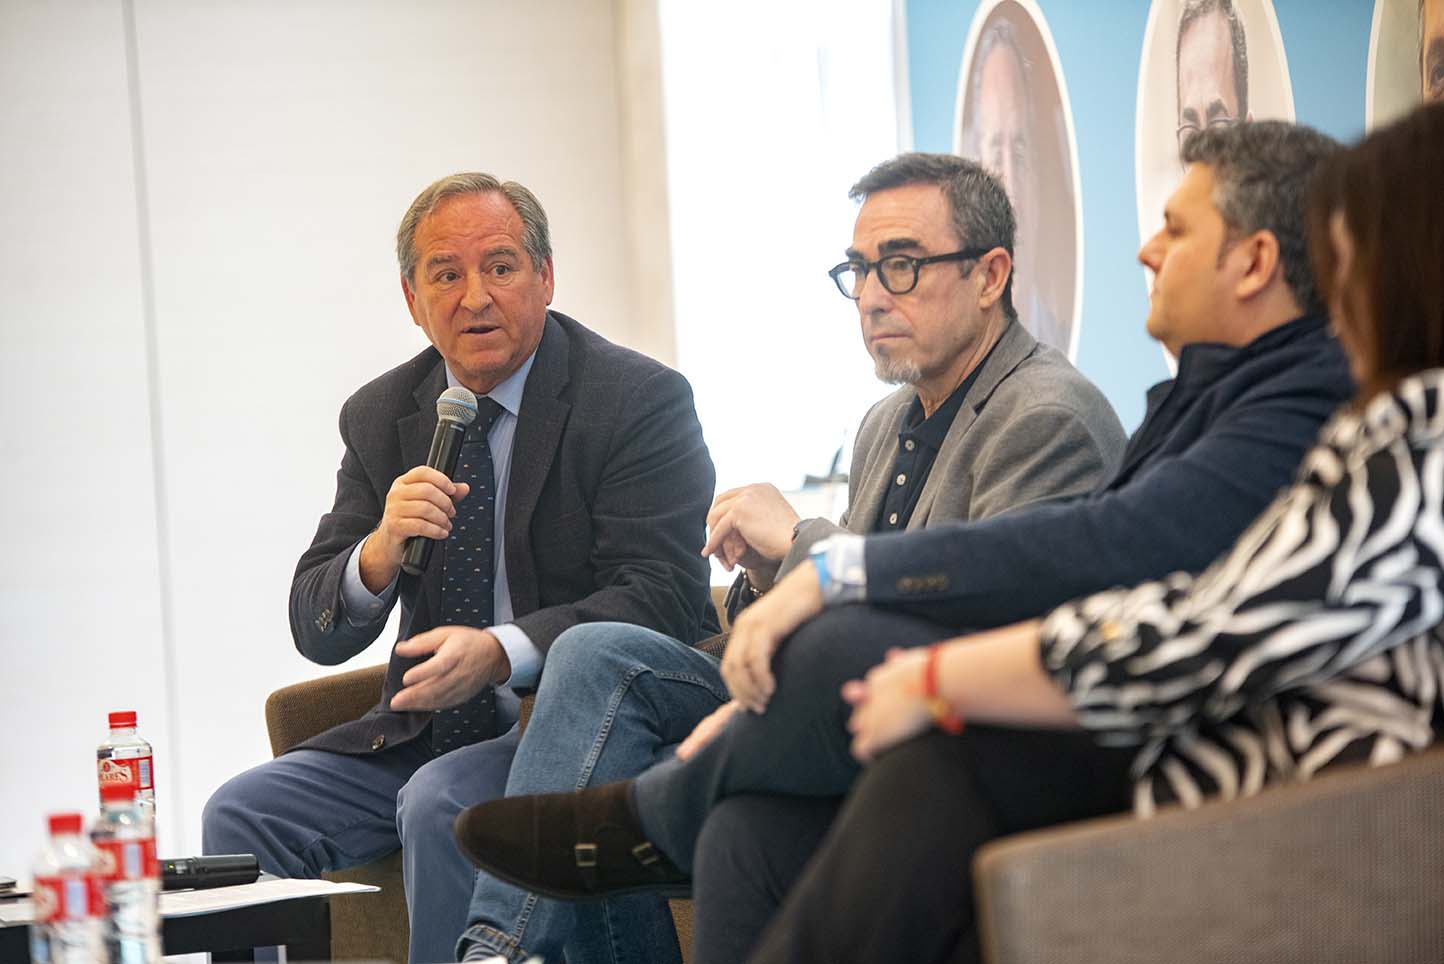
(128, 860)
(134, 772)
(68, 898)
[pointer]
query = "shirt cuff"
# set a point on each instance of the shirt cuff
(842, 558)
(362, 608)
(526, 659)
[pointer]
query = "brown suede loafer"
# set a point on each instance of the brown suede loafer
(571, 846)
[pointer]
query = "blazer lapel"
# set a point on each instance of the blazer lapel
(1013, 346)
(539, 428)
(877, 472)
(415, 432)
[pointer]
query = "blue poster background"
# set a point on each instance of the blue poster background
(1099, 44)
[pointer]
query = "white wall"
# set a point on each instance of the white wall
(80, 604)
(279, 144)
(766, 131)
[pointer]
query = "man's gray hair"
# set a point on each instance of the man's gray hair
(999, 33)
(1261, 174)
(980, 212)
(536, 236)
(1194, 10)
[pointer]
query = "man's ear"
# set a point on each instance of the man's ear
(1257, 261)
(549, 279)
(410, 297)
(996, 266)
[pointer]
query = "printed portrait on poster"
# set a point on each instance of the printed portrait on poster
(1406, 58)
(1205, 63)
(1431, 50)
(1013, 116)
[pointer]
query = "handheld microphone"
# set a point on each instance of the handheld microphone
(455, 410)
(220, 870)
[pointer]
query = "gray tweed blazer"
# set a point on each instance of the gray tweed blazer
(1031, 428)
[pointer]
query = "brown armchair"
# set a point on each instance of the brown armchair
(374, 926)
(1344, 869)
(363, 926)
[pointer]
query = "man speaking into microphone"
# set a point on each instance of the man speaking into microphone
(579, 493)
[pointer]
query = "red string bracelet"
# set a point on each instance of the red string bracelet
(944, 717)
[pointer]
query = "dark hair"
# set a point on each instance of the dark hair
(1194, 11)
(1261, 173)
(1387, 188)
(981, 214)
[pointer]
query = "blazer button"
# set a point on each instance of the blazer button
(378, 743)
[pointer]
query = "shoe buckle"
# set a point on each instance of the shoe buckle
(586, 855)
(646, 854)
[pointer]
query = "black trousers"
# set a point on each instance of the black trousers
(751, 852)
(887, 877)
(798, 747)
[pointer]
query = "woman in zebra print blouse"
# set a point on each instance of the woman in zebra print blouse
(1315, 640)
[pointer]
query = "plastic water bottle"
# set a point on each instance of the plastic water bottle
(125, 760)
(69, 909)
(130, 877)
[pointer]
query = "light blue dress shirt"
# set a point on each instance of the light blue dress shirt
(841, 564)
(362, 607)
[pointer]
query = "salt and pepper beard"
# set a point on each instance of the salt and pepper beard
(896, 371)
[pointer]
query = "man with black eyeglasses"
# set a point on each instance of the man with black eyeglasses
(986, 420)
(742, 811)
(1212, 67)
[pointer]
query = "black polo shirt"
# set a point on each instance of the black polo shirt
(918, 443)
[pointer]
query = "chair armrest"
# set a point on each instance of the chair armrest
(714, 646)
(298, 712)
(1348, 867)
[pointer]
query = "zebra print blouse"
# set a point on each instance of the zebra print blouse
(1314, 640)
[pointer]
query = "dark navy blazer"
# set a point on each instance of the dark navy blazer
(1216, 445)
(607, 504)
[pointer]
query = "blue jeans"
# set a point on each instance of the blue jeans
(311, 811)
(613, 700)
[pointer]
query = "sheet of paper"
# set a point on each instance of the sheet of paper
(188, 903)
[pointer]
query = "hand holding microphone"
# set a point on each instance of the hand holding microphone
(421, 502)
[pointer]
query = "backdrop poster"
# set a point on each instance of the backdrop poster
(1406, 58)
(1013, 116)
(1203, 65)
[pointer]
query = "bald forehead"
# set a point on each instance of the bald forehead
(1206, 82)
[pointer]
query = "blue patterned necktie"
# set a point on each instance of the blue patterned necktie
(467, 575)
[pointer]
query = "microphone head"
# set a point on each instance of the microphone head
(456, 405)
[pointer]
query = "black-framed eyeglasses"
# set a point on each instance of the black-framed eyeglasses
(897, 272)
(1187, 130)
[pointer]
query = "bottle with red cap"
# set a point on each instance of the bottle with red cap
(125, 760)
(69, 908)
(130, 876)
